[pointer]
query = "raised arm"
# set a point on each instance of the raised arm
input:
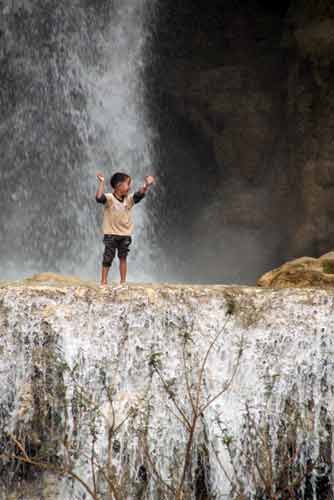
(100, 196)
(139, 195)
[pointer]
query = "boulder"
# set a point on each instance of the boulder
(301, 273)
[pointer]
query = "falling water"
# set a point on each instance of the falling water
(72, 102)
(117, 112)
(268, 380)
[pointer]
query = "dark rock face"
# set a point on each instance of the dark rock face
(254, 182)
(310, 125)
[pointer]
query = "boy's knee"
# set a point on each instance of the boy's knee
(124, 247)
(108, 257)
(106, 264)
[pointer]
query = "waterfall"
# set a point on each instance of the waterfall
(83, 367)
(73, 102)
(117, 111)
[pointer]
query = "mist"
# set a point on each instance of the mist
(71, 104)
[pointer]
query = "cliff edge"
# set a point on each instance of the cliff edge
(153, 391)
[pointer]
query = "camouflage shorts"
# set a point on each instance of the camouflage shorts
(113, 242)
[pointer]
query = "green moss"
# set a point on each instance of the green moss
(328, 267)
(155, 360)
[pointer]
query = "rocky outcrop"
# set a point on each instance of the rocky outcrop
(99, 385)
(302, 272)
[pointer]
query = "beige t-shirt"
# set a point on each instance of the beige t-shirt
(117, 216)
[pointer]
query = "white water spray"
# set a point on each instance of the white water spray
(118, 118)
(74, 103)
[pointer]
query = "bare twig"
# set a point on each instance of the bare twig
(153, 467)
(57, 470)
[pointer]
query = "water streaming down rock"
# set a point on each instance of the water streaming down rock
(64, 347)
(72, 102)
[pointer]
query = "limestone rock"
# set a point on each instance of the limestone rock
(87, 368)
(301, 273)
(57, 279)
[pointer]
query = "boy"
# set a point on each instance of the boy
(117, 220)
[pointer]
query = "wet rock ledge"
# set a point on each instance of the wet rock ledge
(77, 359)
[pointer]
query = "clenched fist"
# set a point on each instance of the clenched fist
(149, 180)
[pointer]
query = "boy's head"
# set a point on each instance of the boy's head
(121, 183)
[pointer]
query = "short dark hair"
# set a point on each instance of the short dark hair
(118, 178)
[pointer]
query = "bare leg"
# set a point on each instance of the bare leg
(123, 268)
(104, 276)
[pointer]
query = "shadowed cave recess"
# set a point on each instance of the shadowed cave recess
(229, 101)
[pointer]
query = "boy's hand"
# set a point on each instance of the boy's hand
(149, 180)
(100, 176)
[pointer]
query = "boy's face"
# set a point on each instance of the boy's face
(124, 187)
